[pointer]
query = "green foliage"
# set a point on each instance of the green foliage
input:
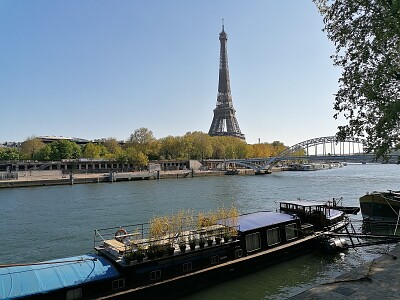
(198, 145)
(112, 145)
(265, 149)
(141, 136)
(64, 149)
(30, 147)
(9, 154)
(94, 151)
(135, 157)
(44, 154)
(143, 140)
(367, 39)
(142, 146)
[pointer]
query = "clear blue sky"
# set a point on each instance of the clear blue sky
(96, 69)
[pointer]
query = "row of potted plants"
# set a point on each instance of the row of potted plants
(156, 250)
(164, 230)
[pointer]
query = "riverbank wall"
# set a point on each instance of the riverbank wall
(49, 178)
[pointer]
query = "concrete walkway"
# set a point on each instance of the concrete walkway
(378, 279)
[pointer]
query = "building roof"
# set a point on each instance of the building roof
(34, 279)
(261, 219)
(48, 138)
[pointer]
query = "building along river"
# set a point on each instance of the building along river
(43, 223)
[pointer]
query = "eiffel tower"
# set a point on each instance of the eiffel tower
(224, 122)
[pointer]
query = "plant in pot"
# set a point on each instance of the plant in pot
(192, 243)
(227, 236)
(152, 251)
(160, 251)
(182, 246)
(202, 242)
(129, 257)
(218, 240)
(170, 249)
(139, 254)
(209, 241)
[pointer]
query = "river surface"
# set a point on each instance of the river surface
(44, 223)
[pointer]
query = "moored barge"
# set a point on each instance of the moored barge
(381, 206)
(169, 260)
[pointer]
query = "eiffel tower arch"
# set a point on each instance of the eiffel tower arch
(224, 122)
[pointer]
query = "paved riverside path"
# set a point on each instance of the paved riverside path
(377, 279)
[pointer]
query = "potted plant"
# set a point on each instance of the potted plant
(209, 241)
(192, 243)
(227, 236)
(129, 257)
(160, 251)
(202, 242)
(151, 251)
(170, 249)
(182, 246)
(139, 255)
(218, 240)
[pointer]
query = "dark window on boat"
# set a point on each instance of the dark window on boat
(273, 236)
(74, 294)
(253, 242)
(291, 232)
(214, 259)
(238, 253)
(187, 267)
(118, 284)
(155, 275)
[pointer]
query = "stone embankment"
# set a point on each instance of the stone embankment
(46, 178)
(378, 279)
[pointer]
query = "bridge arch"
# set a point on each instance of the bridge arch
(324, 141)
(330, 146)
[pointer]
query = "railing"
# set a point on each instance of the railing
(8, 175)
(121, 241)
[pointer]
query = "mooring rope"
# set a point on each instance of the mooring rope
(386, 199)
(398, 219)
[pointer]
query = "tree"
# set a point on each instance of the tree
(141, 136)
(136, 157)
(44, 154)
(366, 34)
(30, 147)
(144, 141)
(91, 150)
(64, 149)
(9, 154)
(113, 147)
(198, 145)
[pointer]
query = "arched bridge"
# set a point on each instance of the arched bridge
(326, 149)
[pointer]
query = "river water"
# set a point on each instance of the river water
(44, 223)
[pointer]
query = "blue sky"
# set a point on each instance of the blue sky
(96, 69)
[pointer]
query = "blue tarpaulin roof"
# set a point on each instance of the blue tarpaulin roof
(25, 280)
(262, 219)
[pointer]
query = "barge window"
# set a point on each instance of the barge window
(273, 236)
(238, 253)
(118, 284)
(155, 275)
(291, 232)
(214, 259)
(187, 267)
(74, 294)
(253, 242)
